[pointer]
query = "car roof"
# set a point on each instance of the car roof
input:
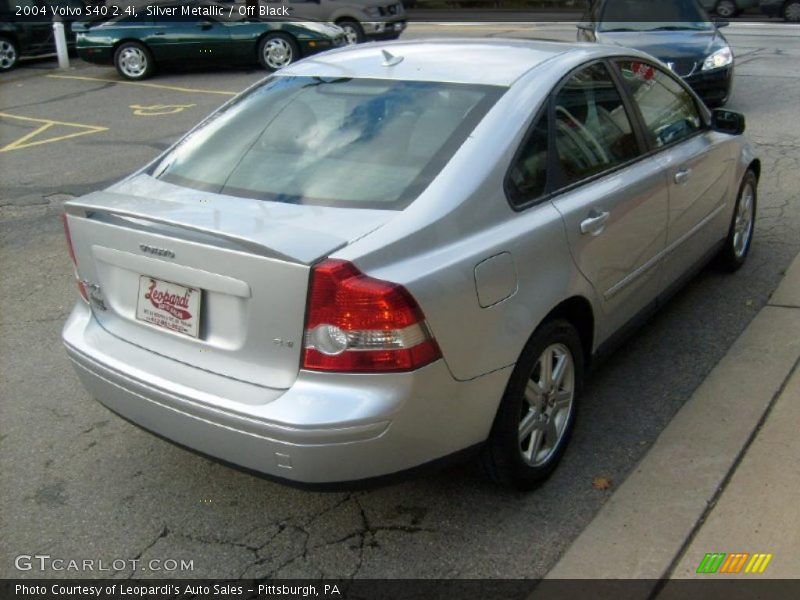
(493, 61)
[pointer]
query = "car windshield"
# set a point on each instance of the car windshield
(653, 15)
(335, 142)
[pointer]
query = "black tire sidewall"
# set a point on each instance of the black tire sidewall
(150, 64)
(16, 51)
(728, 259)
(502, 454)
(271, 36)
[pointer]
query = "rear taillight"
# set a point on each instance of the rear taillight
(356, 323)
(81, 286)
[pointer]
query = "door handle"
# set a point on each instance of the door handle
(682, 175)
(596, 222)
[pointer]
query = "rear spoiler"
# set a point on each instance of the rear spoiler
(280, 240)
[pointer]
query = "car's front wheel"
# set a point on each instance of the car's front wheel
(134, 61)
(9, 54)
(276, 51)
(537, 412)
(740, 235)
(791, 11)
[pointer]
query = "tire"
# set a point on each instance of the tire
(9, 54)
(547, 410)
(791, 11)
(134, 60)
(277, 50)
(740, 234)
(726, 9)
(353, 32)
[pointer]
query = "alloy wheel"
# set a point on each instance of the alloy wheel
(792, 12)
(277, 53)
(133, 62)
(350, 34)
(725, 8)
(8, 55)
(549, 396)
(743, 223)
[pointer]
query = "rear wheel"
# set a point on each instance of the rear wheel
(353, 32)
(134, 61)
(791, 11)
(740, 235)
(9, 54)
(277, 50)
(537, 412)
(726, 8)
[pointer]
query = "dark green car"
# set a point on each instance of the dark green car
(158, 35)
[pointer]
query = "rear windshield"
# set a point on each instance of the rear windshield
(334, 142)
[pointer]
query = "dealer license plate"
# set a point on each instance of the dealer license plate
(169, 305)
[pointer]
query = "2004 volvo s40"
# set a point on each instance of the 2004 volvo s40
(393, 253)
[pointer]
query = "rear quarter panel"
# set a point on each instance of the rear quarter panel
(463, 218)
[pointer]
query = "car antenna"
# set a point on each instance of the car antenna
(390, 60)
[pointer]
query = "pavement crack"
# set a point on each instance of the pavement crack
(294, 558)
(93, 426)
(255, 549)
(216, 541)
(161, 534)
(363, 539)
(58, 317)
(328, 509)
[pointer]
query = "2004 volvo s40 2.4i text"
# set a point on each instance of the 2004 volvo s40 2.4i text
(393, 253)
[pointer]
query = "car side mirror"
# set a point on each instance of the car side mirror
(727, 121)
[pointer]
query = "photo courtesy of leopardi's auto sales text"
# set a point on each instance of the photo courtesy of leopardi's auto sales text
(188, 590)
(393, 299)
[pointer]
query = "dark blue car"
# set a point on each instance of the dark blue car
(678, 32)
(788, 9)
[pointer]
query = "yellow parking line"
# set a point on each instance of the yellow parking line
(46, 124)
(21, 141)
(160, 86)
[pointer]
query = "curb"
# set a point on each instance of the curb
(645, 528)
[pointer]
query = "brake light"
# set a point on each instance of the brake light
(356, 323)
(81, 286)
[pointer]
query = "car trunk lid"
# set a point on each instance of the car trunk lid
(213, 281)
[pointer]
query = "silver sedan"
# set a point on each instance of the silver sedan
(392, 254)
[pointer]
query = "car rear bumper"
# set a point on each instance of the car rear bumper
(326, 428)
(101, 55)
(772, 8)
(713, 86)
(311, 47)
(386, 30)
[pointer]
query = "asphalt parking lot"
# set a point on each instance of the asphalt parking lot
(80, 483)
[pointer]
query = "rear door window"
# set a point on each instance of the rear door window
(593, 131)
